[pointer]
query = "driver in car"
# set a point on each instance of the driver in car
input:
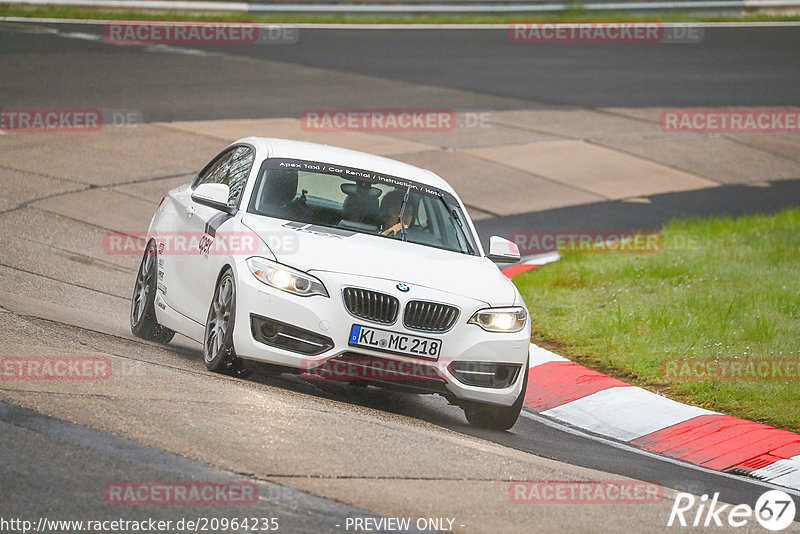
(390, 208)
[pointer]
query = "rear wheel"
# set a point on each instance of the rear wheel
(218, 352)
(497, 417)
(143, 313)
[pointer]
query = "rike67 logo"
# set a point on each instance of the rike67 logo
(774, 510)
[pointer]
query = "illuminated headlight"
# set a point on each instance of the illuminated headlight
(285, 278)
(500, 319)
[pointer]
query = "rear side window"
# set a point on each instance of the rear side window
(231, 168)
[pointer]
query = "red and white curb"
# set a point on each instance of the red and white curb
(530, 262)
(570, 393)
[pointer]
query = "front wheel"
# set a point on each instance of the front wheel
(143, 313)
(497, 417)
(218, 353)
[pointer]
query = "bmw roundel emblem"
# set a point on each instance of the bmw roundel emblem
(402, 287)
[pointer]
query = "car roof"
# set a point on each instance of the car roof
(287, 148)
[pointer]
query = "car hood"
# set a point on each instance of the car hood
(319, 248)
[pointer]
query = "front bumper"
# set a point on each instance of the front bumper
(328, 319)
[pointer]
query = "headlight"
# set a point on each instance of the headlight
(500, 319)
(285, 278)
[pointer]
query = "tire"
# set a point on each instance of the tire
(143, 313)
(497, 417)
(218, 353)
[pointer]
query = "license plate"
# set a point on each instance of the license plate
(395, 343)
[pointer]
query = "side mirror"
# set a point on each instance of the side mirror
(214, 196)
(502, 250)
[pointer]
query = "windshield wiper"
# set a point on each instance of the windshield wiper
(454, 213)
(403, 230)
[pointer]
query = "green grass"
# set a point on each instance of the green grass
(733, 292)
(574, 14)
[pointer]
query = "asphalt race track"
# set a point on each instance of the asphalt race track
(403, 68)
(323, 452)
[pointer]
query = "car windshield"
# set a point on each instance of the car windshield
(360, 201)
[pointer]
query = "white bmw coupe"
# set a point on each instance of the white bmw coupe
(338, 265)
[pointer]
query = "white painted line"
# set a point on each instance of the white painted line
(324, 26)
(81, 35)
(624, 413)
(540, 356)
(558, 425)
(412, 8)
(142, 4)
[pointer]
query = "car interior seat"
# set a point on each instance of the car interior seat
(279, 190)
(361, 204)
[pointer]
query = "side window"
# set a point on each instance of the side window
(230, 168)
(208, 176)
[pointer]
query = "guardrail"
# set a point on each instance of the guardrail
(422, 6)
